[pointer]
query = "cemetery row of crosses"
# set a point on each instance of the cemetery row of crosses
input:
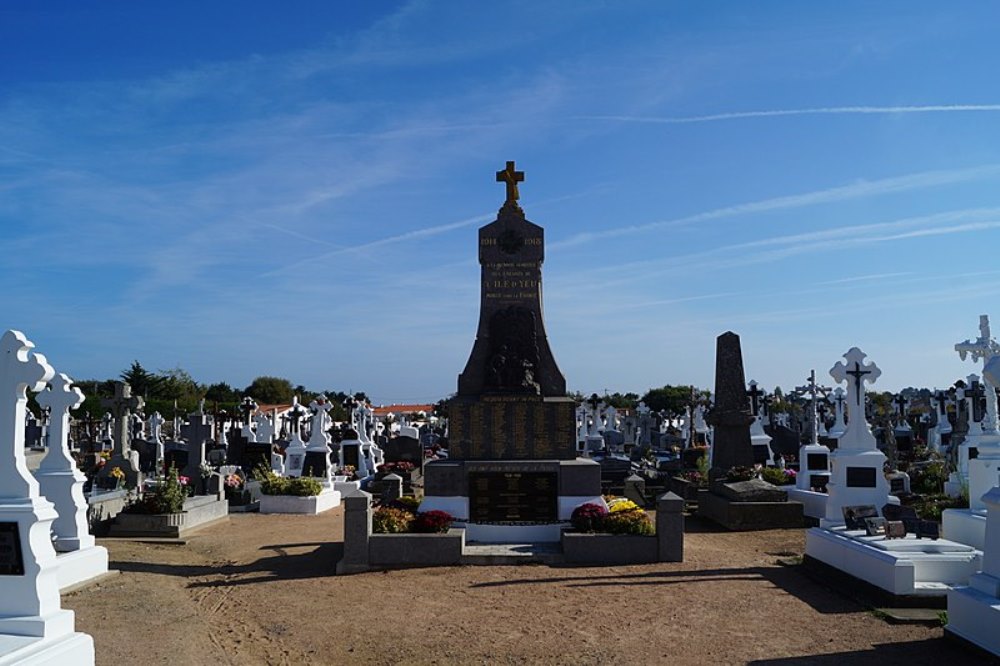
(898, 491)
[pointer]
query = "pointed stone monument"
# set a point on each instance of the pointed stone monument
(512, 454)
(729, 415)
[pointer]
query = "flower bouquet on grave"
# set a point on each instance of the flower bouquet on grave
(432, 522)
(167, 496)
(349, 472)
(777, 476)
(234, 486)
(118, 475)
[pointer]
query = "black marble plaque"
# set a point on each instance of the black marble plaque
(861, 477)
(315, 464)
(817, 462)
(11, 558)
(818, 481)
(513, 497)
(875, 526)
(897, 485)
(351, 453)
(973, 452)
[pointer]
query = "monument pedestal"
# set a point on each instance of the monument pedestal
(511, 494)
(974, 611)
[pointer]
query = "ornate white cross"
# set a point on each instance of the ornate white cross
(60, 397)
(985, 348)
(19, 371)
(856, 372)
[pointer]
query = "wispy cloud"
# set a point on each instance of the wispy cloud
(821, 111)
(860, 189)
(875, 277)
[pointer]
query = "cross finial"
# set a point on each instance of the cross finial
(511, 178)
(856, 372)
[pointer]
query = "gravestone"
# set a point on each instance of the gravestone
(856, 466)
(511, 405)
(731, 445)
(199, 433)
(404, 449)
(317, 460)
(29, 589)
(61, 482)
(122, 457)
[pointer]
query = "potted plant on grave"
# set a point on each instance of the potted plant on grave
(165, 498)
(283, 494)
(778, 476)
(620, 534)
(235, 487)
(687, 483)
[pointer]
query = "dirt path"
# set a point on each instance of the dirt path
(259, 590)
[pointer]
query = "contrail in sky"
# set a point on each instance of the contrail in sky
(826, 110)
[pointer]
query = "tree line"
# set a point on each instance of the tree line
(168, 390)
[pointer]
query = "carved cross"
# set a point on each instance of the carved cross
(295, 414)
(511, 178)
(60, 397)
(19, 371)
(121, 406)
(248, 407)
(901, 403)
(975, 394)
(754, 394)
(856, 369)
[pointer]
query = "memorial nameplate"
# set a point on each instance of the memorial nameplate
(11, 558)
(875, 526)
(818, 482)
(513, 497)
(512, 428)
(861, 477)
(817, 462)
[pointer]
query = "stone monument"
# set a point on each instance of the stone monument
(33, 626)
(122, 457)
(512, 454)
(729, 415)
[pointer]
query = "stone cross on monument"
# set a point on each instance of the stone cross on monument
(295, 415)
(813, 389)
(855, 372)
(755, 395)
(511, 178)
(60, 480)
(986, 349)
(975, 394)
(901, 404)
(121, 407)
(321, 421)
(20, 371)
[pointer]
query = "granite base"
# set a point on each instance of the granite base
(739, 516)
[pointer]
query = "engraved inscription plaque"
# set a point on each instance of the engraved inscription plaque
(513, 497)
(861, 477)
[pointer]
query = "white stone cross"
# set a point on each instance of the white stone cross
(855, 372)
(58, 477)
(60, 397)
(321, 422)
(156, 422)
(984, 348)
(19, 371)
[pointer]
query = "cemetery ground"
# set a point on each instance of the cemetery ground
(260, 590)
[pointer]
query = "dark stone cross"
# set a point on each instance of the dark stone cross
(295, 414)
(121, 407)
(248, 407)
(858, 374)
(511, 178)
(754, 394)
(901, 403)
(976, 393)
(942, 400)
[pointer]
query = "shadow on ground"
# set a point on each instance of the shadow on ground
(275, 563)
(931, 651)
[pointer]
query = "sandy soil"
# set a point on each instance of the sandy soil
(260, 590)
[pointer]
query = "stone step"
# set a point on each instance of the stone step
(493, 554)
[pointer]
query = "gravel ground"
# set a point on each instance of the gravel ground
(261, 590)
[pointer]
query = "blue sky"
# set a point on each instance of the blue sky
(246, 188)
